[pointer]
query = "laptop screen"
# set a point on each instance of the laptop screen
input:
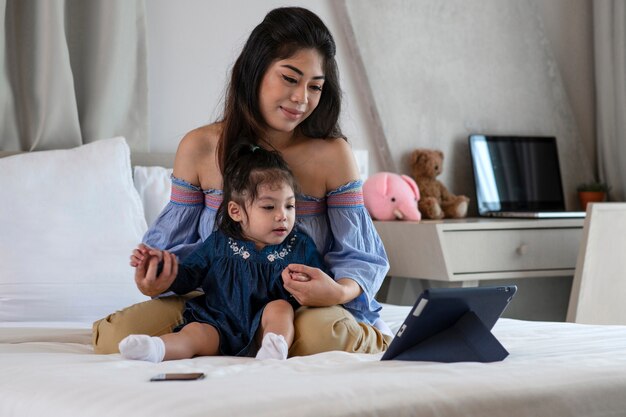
(516, 173)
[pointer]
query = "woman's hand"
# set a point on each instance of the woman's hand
(146, 272)
(312, 287)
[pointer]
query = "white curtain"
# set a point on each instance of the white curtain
(72, 72)
(609, 21)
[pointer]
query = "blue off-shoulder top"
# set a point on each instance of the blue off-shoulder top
(339, 225)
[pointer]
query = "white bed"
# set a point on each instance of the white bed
(554, 369)
(49, 368)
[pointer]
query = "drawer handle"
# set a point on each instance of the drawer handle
(522, 249)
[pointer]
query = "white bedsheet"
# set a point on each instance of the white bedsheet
(554, 369)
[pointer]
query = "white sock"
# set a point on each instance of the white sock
(142, 347)
(274, 346)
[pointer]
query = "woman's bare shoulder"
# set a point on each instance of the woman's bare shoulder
(337, 156)
(200, 140)
(195, 150)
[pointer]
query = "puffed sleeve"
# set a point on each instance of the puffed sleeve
(178, 228)
(357, 251)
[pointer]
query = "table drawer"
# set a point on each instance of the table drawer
(484, 251)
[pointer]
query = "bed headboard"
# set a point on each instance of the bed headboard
(147, 159)
(163, 159)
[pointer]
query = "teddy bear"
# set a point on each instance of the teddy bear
(436, 202)
(389, 196)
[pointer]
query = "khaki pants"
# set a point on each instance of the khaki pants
(317, 329)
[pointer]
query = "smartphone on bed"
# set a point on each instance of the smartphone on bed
(188, 376)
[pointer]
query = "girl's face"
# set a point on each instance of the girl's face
(291, 89)
(269, 218)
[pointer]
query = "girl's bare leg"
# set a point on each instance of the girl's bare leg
(276, 330)
(195, 339)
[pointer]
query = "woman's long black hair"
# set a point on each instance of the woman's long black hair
(247, 168)
(282, 33)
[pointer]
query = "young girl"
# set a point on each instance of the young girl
(240, 268)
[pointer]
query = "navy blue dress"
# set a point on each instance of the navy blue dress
(238, 281)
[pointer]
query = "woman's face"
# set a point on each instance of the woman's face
(291, 89)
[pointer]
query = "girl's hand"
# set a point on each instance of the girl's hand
(146, 272)
(139, 254)
(312, 287)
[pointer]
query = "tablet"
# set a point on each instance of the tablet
(452, 325)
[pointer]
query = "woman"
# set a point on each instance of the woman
(284, 95)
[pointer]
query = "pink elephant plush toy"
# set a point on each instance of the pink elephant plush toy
(390, 196)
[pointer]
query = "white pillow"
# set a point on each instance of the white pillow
(154, 186)
(68, 222)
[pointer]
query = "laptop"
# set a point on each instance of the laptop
(518, 176)
(452, 325)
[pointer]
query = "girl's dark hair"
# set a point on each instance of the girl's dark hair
(282, 33)
(247, 168)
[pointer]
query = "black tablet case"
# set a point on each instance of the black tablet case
(453, 325)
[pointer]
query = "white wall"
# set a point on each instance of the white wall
(442, 70)
(193, 43)
(568, 25)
